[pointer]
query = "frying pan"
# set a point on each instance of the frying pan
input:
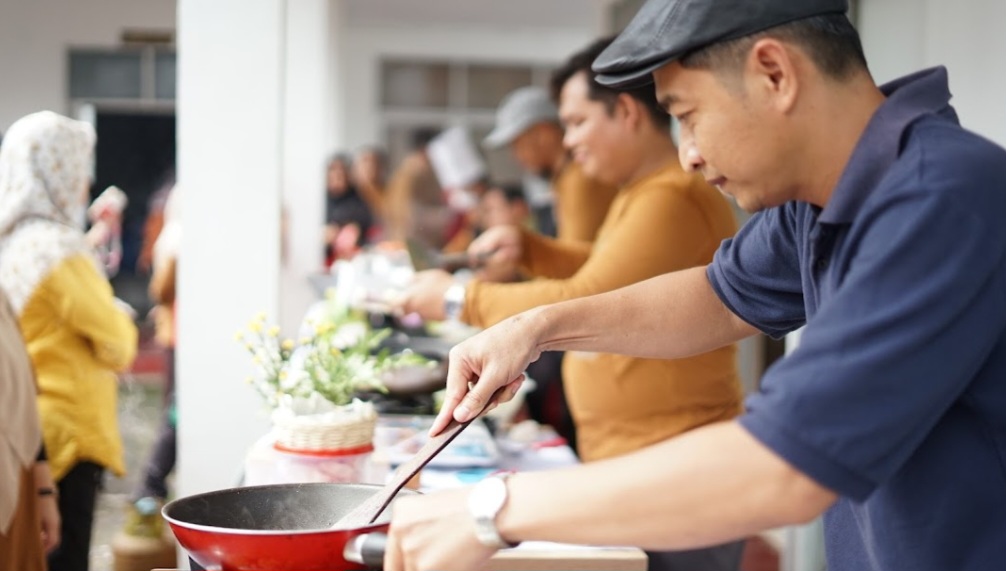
(281, 527)
(407, 381)
(415, 380)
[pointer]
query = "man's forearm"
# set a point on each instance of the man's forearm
(711, 485)
(667, 317)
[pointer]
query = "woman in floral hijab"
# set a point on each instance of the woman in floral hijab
(76, 334)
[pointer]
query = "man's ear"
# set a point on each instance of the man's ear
(770, 72)
(629, 107)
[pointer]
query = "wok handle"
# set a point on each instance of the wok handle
(366, 549)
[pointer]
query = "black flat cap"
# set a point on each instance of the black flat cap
(664, 30)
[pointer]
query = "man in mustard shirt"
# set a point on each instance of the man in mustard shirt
(662, 220)
(527, 122)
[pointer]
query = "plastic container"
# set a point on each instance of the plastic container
(346, 466)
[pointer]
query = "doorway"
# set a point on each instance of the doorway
(135, 152)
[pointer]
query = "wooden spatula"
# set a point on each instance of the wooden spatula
(368, 510)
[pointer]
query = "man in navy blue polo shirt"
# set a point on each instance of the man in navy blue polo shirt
(878, 226)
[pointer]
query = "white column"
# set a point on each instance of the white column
(309, 107)
(229, 167)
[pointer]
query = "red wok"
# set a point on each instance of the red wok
(281, 527)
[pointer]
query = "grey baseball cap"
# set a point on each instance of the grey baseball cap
(664, 30)
(517, 112)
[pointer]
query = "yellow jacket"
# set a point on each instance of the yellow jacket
(78, 339)
(668, 221)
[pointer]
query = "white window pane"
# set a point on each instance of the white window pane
(488, 84)
(164, 75)
(104, 75)
(414, 84)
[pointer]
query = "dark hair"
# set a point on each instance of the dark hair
(512, 192)
(341, 158)
(830, 40)
(581, 62)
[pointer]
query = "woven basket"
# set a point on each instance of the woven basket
(321, 437)
(325, 433)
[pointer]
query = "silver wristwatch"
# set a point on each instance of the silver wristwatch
(454, 301)
(485, 501)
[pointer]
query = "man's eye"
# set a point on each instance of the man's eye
(684, 118)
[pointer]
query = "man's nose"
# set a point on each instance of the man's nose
(567, 139)
(688, 154)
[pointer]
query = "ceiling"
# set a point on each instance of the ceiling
(505, 13)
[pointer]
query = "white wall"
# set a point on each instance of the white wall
(967, 36)
(365, 45)
(35, 36)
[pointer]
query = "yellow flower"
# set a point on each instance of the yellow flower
(305, 340)
(256, 360)
(287, 344)
(239, 335)
(255, 327)
(273, 331)
(249, 379)
(260, 316)
(282, 375)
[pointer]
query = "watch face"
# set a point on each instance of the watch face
(488, 497)
(484, 503)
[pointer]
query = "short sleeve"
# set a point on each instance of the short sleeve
(756, 274)
(884, 359)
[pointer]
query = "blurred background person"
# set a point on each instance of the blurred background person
(370, 173)
(348, 217)
(76, 333)
(29, 517)
(464, 177)
(415, 206)
(105, 233)
(153, 224)
(527, 122)
(501, 205)
(466, 224)
(505, 205)
(143, 517)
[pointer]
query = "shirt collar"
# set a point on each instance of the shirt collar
(908, 99)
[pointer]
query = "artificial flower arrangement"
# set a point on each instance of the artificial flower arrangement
(336, 356)
(311, 383)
